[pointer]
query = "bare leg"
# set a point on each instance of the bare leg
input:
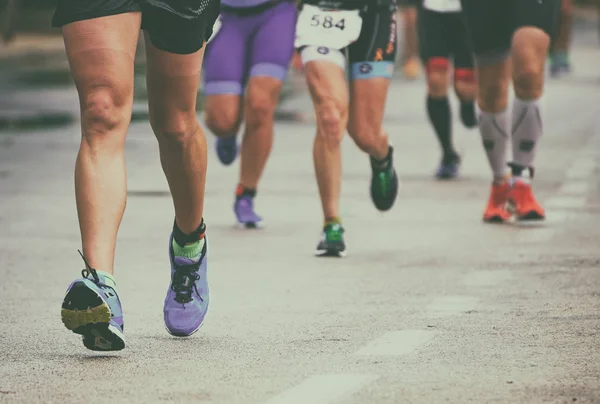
(172, 91)
(261, 100)
(101, 55)
(328, 88)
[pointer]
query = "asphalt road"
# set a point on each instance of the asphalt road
(431, 305)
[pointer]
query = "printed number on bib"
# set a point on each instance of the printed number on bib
(332, 29)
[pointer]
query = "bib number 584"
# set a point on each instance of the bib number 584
(327, 22)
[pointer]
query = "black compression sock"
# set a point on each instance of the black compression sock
(467, 114)
(438, 110)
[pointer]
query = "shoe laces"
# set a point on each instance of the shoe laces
(89, 270)
(184, 282)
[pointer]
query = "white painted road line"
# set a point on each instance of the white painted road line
(397, 343)
(323, 389)
(446, 306)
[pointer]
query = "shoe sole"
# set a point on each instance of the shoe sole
(531, 216)
(91, 321)
(495, 220)
(330, 253)
(251, 225)
(185, 335)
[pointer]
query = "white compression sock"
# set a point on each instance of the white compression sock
(494, 128)
(526, 131)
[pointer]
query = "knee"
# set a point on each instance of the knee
(437, 76)
(465, 84)
(259, 109)
(222, 121)
(528, 80)
(176, 128)
(331, 120)
(104, 110)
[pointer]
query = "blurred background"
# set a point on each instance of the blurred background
(36, 87)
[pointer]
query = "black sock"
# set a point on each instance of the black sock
(517, 170)
(438, 110)
(467, 114)
(182, 238)
(242, 191)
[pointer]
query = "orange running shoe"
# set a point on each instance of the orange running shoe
(496, 212)
(522, 203)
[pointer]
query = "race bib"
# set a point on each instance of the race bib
(215, 30)
(333, 29)
(443, 6)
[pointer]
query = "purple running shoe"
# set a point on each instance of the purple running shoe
(92, 308)
(187, 299)
(244, 211)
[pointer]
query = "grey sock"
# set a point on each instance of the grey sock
(526, 131)
(494, 128)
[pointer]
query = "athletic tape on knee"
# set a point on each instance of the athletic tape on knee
(464, 75)
(437, 64)
(321, 53)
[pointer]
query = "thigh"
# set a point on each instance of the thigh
(226, 58)
(367, 105)
(374, 53)
(327, 84)
(535, 13)
(101, 53)
(490, 29)
(273, 43)
(172, 82)
(434, 39)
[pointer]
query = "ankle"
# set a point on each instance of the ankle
(242, 191)
(332, 220)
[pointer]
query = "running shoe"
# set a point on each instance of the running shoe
(92, 309)
(559, 64)
(187, 299)
(448, 168)
(522, 203)
(244, 211)
(227, 149)
(384, 183)
(496, 212)
(332, 241)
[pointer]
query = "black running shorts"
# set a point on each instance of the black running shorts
(378, 38)
(492, 23)
(444, 35)
(409, 3)
(175, 26)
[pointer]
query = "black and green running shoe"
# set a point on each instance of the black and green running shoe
(384, 182)
(332, 241)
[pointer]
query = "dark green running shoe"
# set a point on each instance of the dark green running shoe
(332, 241)
(384, 182)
